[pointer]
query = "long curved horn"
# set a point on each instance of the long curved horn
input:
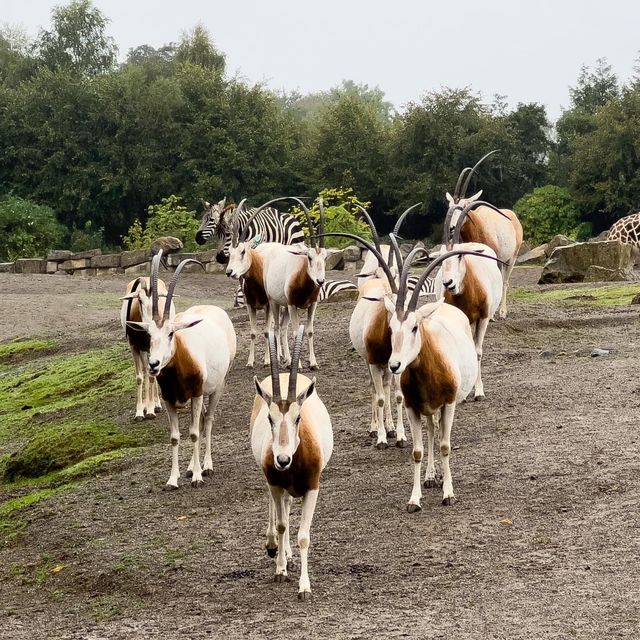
(463, 215)
(402, 218)
(172, 286)
(465, 186)
(394, 249)
(367, 245)
(413, 303)
(320, 233)
(155, 265)
(235, 228)
(295, 361)
(461, 177)
(275, 368)
(369, 221)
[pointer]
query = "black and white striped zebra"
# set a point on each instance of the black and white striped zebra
(270, 226)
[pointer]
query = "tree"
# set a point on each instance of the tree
(197, 48)
(595, 88)
(77, 40)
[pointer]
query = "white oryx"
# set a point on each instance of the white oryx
(292, 441)
(136, 307)
(481, 222)
(433, 350)
(190, 356)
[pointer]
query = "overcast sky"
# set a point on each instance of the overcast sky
(528, 51)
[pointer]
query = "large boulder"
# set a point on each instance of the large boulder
(524, 248)
(535, 256)
(30, 265)
(110, 261)
(571, 263)
(7, 267)
(352, 253)
(90, 253)
(558, 241)
(132, 258)
(59, 255)
(335, 260)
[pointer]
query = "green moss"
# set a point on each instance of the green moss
(17, 346)
(10, 507)
(59, 446)
(607, 296)
(62, 382)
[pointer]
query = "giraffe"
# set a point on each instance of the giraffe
(626, 230)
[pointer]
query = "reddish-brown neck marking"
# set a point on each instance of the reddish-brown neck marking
(428, 382)
(473, 299)
(181, 379)
(253, 282)
(377, 339)
(303, 291)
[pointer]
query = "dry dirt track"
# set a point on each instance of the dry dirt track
(554, 450)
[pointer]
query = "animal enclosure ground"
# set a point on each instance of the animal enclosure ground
(542, 543)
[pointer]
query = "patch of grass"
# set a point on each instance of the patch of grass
(9, 349)
(62, 382)
(607, 296)
(59, 446)
(10, 507)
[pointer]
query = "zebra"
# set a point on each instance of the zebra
(270, 226)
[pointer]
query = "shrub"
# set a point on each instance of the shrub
(87, 238)
(27, 229)
(341, 215)
(548, 211)
(169, 218)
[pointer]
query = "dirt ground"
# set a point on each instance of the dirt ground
(553, 451)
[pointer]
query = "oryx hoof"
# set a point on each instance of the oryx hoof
(429, 483)
(373, 434)
(402, 444)
(149, 416)
(170, 487)
(381, 445)
(207, 473)
(479, 398)
(138, 418)
(249, 365)
(281, 577)
(313, 367)
(413, 508)
(391, 434)
(196, 484)
(158, 409)
(189, 473)
(272, 552)
(304, 596)
(448, 501)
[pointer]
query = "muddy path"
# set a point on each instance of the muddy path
(542, 543)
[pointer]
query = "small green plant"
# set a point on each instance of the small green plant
(169, 218)
(88, 238)
(9, 350)
(341, 215)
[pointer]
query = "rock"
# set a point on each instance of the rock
(193, 268)
(558, 241)
(599, 352)
(59, 255)
(206, 256)
(352, 253)
(30, 265)
(108, 271)
(86, 254)
(109, 260)
(85, 272)
(601, 237)
(535, 256)
(174, 259)
(571, 263)
(131, 258)
(634, 300)
(596, 273)
(215, 267)
(72, 265)
(52, 266)
(168, 244)
(7, 267)
(524, 248)
(335, 260)
(407, 247)
(138, 270)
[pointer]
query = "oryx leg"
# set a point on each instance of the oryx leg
(401, 436)
(172, 415)
(156, 395)
(389, 425)
(304, 540)
(481, 330)
(377, 377)
(430, 473)
(214, 398)
(287, 512)
(506, 275)
(194, 434)
(311, 315)
(272, 541)
(253, 324)
(416, 435)
(446, 421)
(281, 526)
(141, 381)
(373, 428)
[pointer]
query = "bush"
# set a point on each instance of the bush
(87, 238)
(548, 211)
(169, 218)
(27, 230)
(341, 215)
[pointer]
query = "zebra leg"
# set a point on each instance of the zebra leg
(311, 314)
(238, 300)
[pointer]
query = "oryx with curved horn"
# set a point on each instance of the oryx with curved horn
(293, 276)
(190, 356)
(292, 441)
(433, 350)
(484, 223)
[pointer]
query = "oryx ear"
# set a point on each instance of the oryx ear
(263, 393)
(427, 309)
(303, 395)
(297, 251)
(222, 202)
(389, 304)
(138, 326)
(449, 197)
(186, 323)
(206, 204)
(475, 196)
(130, 296)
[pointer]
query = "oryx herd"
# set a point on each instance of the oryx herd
(425, 353)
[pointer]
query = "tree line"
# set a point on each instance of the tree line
(89, 144)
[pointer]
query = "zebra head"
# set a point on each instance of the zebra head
(214, 222)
